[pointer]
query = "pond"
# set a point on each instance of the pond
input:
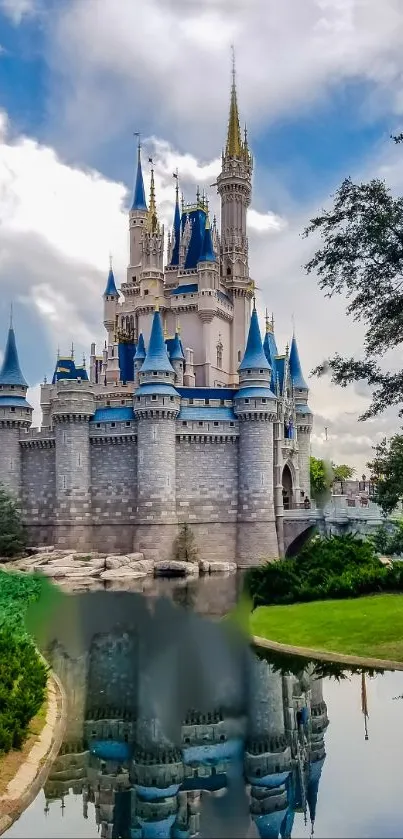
(256, 746)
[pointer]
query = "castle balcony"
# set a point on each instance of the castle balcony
(341, 509)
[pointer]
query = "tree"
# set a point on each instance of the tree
(185, 549)
(362, 257)
(387, 473)
(321, 475)
(11, 531)
(342, 472)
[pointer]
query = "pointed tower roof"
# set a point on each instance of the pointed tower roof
(254, 357)
(177, 351)
(110, 284)
(295, 367)
(315, 771)
(152, 218)
(140, 349)
(207, 251)
(10, 373)
(139, 196)
(234, 144)
(157, 355)
(176, 227)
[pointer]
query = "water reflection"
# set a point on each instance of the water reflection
(241, 764)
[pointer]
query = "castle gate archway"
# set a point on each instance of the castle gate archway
(287, 487)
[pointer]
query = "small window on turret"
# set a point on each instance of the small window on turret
(239, 355)
(260, 371)
(127, 424)
(12, 387)
(113, 424)
(232, 424)
(246, 401)
(264, 400)
(13, 410)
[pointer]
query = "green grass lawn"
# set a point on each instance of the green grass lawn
(365, 626)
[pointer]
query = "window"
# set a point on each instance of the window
(184, 422)
(191, 401)
(171, 398)
(246, 401)
(207, 402)
(155, 373)
(260, 371)
(200, 423)
(122, 402)
(113, 424)
(219, 354)
(153, 397)
(79, 460)
(239, 355)
(264, 400)
(98, 425)
(108, 402)
(232, 424)
(64, 481)
(145, 291)
(13, 410)
(215, 423)
(127, 424)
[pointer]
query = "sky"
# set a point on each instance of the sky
(320, 86)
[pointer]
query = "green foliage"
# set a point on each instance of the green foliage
(23, 674)
(185, 549)
(361, 258)
(329, 568)
(22, 688)
(321, 476)
(342, 472)
(12, 540)
(388, 541)
(387, 473)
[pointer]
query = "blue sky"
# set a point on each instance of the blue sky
(319, 85)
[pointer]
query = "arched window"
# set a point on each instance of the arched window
(219, 353)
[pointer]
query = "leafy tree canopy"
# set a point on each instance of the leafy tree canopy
(361, 256)
(11, 530)
(387, 473)
(324, 474)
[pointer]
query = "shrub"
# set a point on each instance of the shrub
(329, 568)
(185, 549)
(12, 540)
(23, 688)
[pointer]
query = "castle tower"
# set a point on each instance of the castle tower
(139, 358)
(175, 241)
(234, 185)
(15, 416)
(268, 760)
(152, 268)
(271, 352)
(208, 275)
(255, 406)
(156, 407)
(137, 220)
(72, 406)
(111, 300)
(177, 360)
(304, 418)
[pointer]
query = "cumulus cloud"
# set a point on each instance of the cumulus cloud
(16, 10)
(170, 67)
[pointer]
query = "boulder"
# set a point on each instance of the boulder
(175, 568)
(113, 562)
(62, 560)
(137, 556)
(124, 572)
(144, 565)
(219, 567)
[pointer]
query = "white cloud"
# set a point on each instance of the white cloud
(171, 65)
(16, 10)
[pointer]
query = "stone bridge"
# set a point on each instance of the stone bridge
(339, 516)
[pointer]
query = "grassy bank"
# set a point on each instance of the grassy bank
(367, 626)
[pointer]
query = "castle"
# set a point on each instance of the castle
(257, 733)
(186, 416)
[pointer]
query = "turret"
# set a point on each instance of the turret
(234, 185)
(173, 256)
(111, 300)
(255, 406)
(304, 418)
(207, 266)
(152, 269)
(177, 359)
(139, 358)
(137, 219)
(156, 406)
(72, 406)
(15, 415)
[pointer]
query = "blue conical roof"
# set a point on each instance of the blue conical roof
(177, 351)
(254, 357)
(295, 367)
(10, 373)
(207, 252)
(177, 232)
(140, 349)
(157, 355)
(139, 196)
(315, 771)
(111, 285)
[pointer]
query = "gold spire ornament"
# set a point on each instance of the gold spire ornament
(152, 218)
(234, 144)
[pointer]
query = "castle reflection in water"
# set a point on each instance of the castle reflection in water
(269, 749)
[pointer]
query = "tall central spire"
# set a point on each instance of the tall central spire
(234, 143)
(152, 218)
(139, 198)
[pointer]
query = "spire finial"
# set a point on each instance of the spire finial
(254, 301)
(11, 315)
(272, 322)
(152, 219)
(110, 261)
(267, 321)
(58, 353)
(84, 360)
(234, 145)
(178, 326)
(293, 325)
(72, 350)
